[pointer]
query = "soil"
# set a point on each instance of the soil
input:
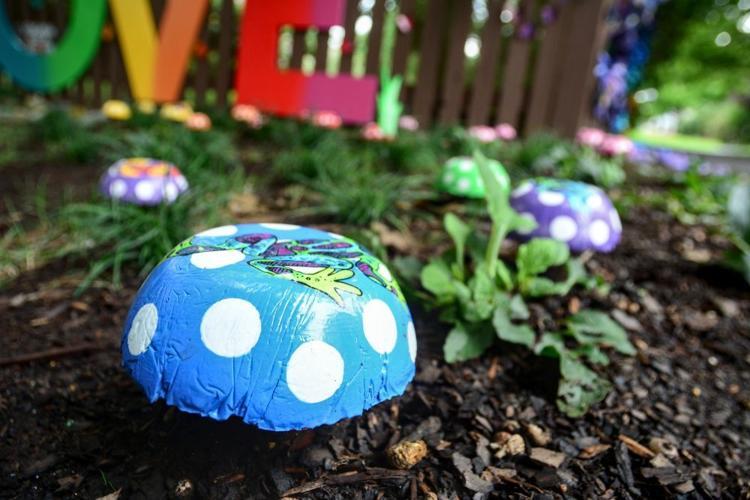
(676, 424)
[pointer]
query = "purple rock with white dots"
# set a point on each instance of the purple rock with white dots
(143, 181)
(575, 213)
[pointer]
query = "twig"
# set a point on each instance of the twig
(59, 352)
(373, 474)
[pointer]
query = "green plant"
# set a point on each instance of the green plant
(699, 198)
(484, 298)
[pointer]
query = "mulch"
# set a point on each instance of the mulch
(676, 424)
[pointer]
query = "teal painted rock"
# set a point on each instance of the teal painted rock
(461, 177)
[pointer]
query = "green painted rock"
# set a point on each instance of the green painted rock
(461, 177)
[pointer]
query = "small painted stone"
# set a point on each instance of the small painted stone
(176, 112)
(116, 110)
(408, 122)
(482, 133)
(461, 177)
(615, 145)
(674, 160)
(326, 119)
(575, 213)
(506, 132)
(373, 132)
(143, 181)
(199, 122)
(283, 326)
(248, 114)
(146, 107)
(591, 137)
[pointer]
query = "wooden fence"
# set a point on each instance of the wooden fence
(540, 82)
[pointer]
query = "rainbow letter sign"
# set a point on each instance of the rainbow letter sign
(289, 93)
(156, 61)
(65, 64)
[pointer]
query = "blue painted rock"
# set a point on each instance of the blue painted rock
(283, 326)
(576, 213)
(143, 181)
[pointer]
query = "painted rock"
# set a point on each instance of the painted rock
(615, 145)
(461, 177)
(285, 327)
(483, 133)
(199, 122)
(591, 137)
(143, 181)
(248, 114)
(506, 132)
(326, 119)
(408, 122)
(176, 112)
(576, 213)
(116, 110)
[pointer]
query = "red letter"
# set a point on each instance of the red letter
(260, 83)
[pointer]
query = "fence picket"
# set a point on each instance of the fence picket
(429, 62)
(454, 76)
(480, 104)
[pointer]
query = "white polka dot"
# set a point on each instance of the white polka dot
(171, 192)
(411, 339)
(522, 189)
(336, 236)
(216, 259)
(551, 198)
(599, 232)
(448, 178)
(563, 228)
(142, 329)
(614, 219)
(463, 185)
(219, 231)
(118, 188)
(528, 216)
(379, 326)
(315, 371)
(145, 190)
(230, 327)
(594, 201)
(280, 227)
(385, 272)
(182, 183)
(466, 165)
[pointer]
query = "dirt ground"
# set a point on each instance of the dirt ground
(677, 423)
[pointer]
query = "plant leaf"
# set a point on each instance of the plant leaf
(538, 255)
(495, 194)
(459, 231)
(506, 330)
(437, 279)
(551, 345)
(579, 387)
(597, 328)
(462, 343)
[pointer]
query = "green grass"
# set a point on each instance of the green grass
(688, 143)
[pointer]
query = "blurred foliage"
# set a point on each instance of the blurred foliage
(693, 72)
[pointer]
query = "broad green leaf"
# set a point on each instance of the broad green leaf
(551, 345)
(538, 255)
(522, 223)
(510, 332)
(593, 354)
(495, 193)
(459, 231)
(579, 387)
(462, 343)
(597, 328)
(518, 309)
(542, 287)
(437, 279)
(505, 276)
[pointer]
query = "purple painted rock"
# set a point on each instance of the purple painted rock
(143, 181)
(576, 213)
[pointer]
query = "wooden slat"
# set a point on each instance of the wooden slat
(201, 69)
(480, 104)
(403, 44)
(579, 60)
(298, 49)
(226, 57)
(352, 11)
(429, 62)
(514, 76)
(321, 51)
(454, 76)
(546, 76)
(375, 39)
